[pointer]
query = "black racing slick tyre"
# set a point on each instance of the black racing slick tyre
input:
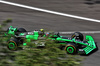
(13, 44)
(21, 30)
(71, 48)
(78, 35)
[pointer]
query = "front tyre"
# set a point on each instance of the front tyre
(71, 48)
(78, 35)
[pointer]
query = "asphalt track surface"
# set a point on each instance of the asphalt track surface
(32, 19)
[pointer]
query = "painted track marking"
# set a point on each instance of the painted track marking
(49, 11)
(57, 13)
(86, 32)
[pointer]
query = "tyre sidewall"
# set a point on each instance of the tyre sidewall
(13, 41)
(71, 46)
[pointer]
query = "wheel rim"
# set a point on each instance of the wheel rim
(70, 49)
(11, 45)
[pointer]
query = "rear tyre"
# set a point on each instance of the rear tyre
(21, 30)
(18, 32)
(78, 35)
(71, 48)
(12, 44)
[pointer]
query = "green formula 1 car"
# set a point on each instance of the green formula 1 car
(73, 44)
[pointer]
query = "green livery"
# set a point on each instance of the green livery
(74, 44)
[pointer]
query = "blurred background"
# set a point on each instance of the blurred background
(32, 19)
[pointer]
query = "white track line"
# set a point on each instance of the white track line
(86, 32)
(49, 11)
(57, 13)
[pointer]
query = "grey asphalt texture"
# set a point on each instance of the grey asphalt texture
(32, 19)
